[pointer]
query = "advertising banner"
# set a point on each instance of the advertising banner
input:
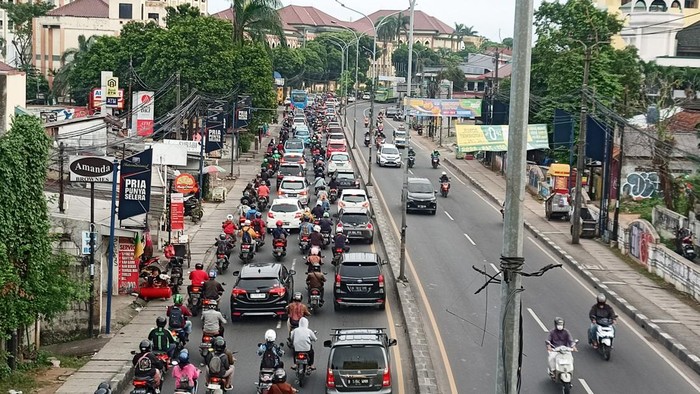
(471, 138)
(177, 212)
(142, 117)
(97, 169)
(112, 95)
(216, 130)
(455, 108)
(96, 98)
(185, 184)
(135, 185)
(128, 269)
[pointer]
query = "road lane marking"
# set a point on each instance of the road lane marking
(279, 324)
(486, 201)
(495, 269)
(418, 145)
(624, 321)
(470, 239)
(454, 175)
(411, 172)
(585, 386)
(662, 321)
(392, 332)
(537, 319)
(451, 218)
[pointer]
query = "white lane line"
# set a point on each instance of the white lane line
(470, 239)
(417, 144)
(495, 268)
(662, 321)
(585, 386)
(279, 324)
(454, 175)
(410, 171)
(537, 320)
(294, 262)
(448, 215)
(625, 322)
(486, 201)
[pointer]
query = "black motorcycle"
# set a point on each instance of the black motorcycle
(175, 265)
(411, 161)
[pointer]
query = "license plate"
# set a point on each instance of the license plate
(285, 223)
(421, 206)
(291, 195)
(139, 391)
(258, 295)
(302, 361)
(358, 382)
(354, 232)
(204, 345)
(360, 289)
(213, 386)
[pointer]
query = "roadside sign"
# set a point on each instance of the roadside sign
(177, 212)
(112, 94)
(97, 169)
(85, 247)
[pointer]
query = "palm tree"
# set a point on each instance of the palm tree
(470, 32)
(386, 32)
(68, 60)
(256, 19)
(401, 23)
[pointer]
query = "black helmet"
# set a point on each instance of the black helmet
(280, 376)
(601, 298)
(297, 296)
(101, 391)
(316, 267)
(219, 344)
(145, 345)
(104, 385)
(199, 266)
(160, 321)
(222, 237)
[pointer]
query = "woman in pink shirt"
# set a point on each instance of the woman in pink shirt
(185, 374)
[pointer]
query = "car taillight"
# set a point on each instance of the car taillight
(280, 193)
(381, 280)
(302, 193)
(297, 215)
(337, 280)
(386, 379)
(365, 204)
(369, 226)
(270, 215)
(238, 292)
(341, 204)
(330, 379)
(278, 291)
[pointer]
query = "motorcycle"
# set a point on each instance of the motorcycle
(221, 262)
(246, 254)
(326, 239)
(215, 385)
(411, 161)
(301, 361)
(315, 299)
(367, 139)
(180, 338)
(564, 368)
(304, 244)
(333, 196)
(444, 188)
(338, 255)
(380, 141)
(687, 248)
(264, 380)
(279, 248)
(206, 346)
(194, 300)
(435, 161)
(165, 359)
(604, 336)
(176, 274)
(247, 199)
(262, 203)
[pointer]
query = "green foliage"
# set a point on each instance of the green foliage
(176, 14)
(33, 280)
(255, 19)
(289, 62)
(641, 207)
(21, 15)
(38, 91)
(246, 140)
(252, 68)
(454, 74)
(422, 57)
(507, 42)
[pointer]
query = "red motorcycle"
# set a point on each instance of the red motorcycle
(304, 244)
(444, 188)
(279, 248)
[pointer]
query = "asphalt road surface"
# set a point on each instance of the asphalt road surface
(466, 232)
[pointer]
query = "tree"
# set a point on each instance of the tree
(454, 74)
(507, 42)
(34, 281)
(401, 23)
(289, 62)
(257, 18)
(183, 11)
(422, 57)
(68, 59)
(21, 16)
(103, 54)
(252, 70)
(314, 65)
(386, 32)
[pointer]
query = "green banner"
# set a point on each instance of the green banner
(472, 138)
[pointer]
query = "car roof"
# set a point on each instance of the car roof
(338, 142)
(353, 210)
(294, 178)
(358, 257)
(294, 140)
(338, 133)
(289, 164)
(389, 146)
(260, 270)
(354, 191)
(296, 154)
(418, 180)
(285, 201)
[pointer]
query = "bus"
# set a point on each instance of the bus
(299, 98)
(385, 95)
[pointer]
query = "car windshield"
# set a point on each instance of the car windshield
(298, 97)
(292, 158)
(390, 151)
(294, 145)
(252, 284)
(354, 218)
(292, 185)
(301, 131)
(289, 170)
(284, 208)
(345, 175)
(400, 134)
(340, 158)
(421, 187)
(358, 358)
(337, 146)
(336, 137)
(354, 198)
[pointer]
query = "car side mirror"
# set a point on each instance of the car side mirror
(292, 272)
(383, 262)
(435, 191)
(236, 273)
(223, 283)
(327, 343)
(281, 345)
(392, 342)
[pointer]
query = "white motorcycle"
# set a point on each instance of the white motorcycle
(563, 367)
(604, 336)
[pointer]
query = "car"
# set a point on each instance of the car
(293, 158)
(303, 133)
(353, 198)
(330, 112)
(294, 145)
(335, 146)
(294, 187)
(331, 102)
(389, 155)
(298, 123)
(289, 169)
(347, 180)
(339, 161)
(351, 99)
(359, 361)
(335, 137)
(400, 138)
(262, 289)
(356, 224)
(359, 281)
(287, 100)
(366, 96)
(420, 196)
(288, 210)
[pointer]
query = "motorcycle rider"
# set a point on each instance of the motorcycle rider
(559, 336)
(225, 361)
(296, 310)
(213, 321)
(197, 277)
(444, 178)
(264, 191)
(326, 224)
(314, 258)
(340, 239)
(146, 365)
(259, 226)
(229, 227)
(411, 152)
(279, 231)
(178, 315)
(211, 289)
(307, 215)
(224, 245)
(162, 339)
(600, 310)
(306, 227)
(302, 340)
(333, 183)
(270, 352)
(185, 373)
(318, 210)
(435, 154)
(316, 239)
(248, 234)
(316, 279)
(280, 385)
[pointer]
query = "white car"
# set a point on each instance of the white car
(366, 96)
(400, 138)
(389, 155)
(288, 210)
(353, 198)
(335, 137)
(351, 99)
(339, 161)
(287, 101)
(294, 187)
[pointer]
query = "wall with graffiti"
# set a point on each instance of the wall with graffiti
(641, 236)
(640, 185)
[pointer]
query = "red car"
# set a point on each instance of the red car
(335, 146)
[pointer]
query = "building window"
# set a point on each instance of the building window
(154, 16)
(691, 3)
(125, 11)
(658, 6)
(10, 25)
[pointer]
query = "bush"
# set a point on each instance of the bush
(246, 140)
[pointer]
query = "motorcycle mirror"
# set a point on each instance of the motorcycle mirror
(292, 272)
(435, 191)
(133, 352)
(174, 362)
(236, 273)
(282, 345)
(223, 283)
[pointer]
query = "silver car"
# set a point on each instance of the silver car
(389, 155)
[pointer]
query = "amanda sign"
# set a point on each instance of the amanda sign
(97, 169)
(185, 184)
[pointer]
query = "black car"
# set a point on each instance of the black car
(394, 113)
(421, 196)
(262, 289)
(347, 180)
(359, 281)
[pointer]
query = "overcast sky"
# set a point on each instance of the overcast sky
(486, 16)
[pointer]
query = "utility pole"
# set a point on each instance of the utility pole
(581, 159)
(178, 121)
(508, 364)
(91, 305)
(618, 183)
(130, 115)
(61, 194)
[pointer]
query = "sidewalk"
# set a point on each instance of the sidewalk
(113, 362)
(661, 313)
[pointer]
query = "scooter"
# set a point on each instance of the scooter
(194, 300)
(563, 367)
(279, 248)
(435, 161)
(687, 248)
(215, 385)
(221, 262)
(367, 140)
(444, 188)
(315, 299)
(262, 203)
(175, 274)
(207, 345)
(338, 255)
(326, 239)
(411, 161)
(333, 196)
(604, 336)
(301, 362)
(264, 380)
(304, 244)
(247, 253)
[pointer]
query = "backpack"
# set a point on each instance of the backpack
(144, 365)
(216, 364)
(246, 238)
(269, 358)
(177, 318)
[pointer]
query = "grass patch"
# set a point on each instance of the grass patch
(28, 376)
(73, 362)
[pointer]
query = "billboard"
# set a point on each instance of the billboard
(216, 131)
(96, 169)
(135, 185)
(143, 106)
(456, 108)
(494, 138)
(96, 98)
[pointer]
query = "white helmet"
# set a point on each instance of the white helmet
(229, 217)
(444, 173)
(246, 223)
(317, 228)
(270, 335)
(315, 250)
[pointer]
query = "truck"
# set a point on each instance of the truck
(385, 95)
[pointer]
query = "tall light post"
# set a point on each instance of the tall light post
(355, 83)
(343, 48)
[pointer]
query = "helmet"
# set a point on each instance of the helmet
(279, 223)
(316, 268)
(326, 215)
(212, 274)
(318, 203)
(102, 391)
(212, 304)
(558, 321)
(601, 298)
(315, 250)
(145, 345)
(279, 376)
(222, 237)
(105, 386)
(270, 335)
(199, 266)
(160, 321)
(177, 299)
(297, 297)
(339, 230)
(265, 160)
(444, 173)
(246, 223)
(258, 215)
(219, 344)
(276, 151)
(229, 217)
(317, 228)
(184, 357)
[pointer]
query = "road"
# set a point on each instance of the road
(466, 232)
(242, 336)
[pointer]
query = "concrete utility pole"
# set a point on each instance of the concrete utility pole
(407, 126)
(508, 368)
(581, 160)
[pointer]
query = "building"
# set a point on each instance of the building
(13, 94)
(59, 30)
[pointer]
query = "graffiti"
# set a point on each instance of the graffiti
(640, 241)
(641, 185)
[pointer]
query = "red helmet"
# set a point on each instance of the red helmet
(279, 223)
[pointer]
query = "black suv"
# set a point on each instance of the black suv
(262, 289)
(347, 180)
(421, 196)
(359, 281)
(394, 113)
(359, 361)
